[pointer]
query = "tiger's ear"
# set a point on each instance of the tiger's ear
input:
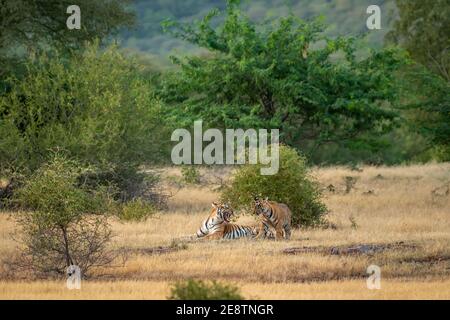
(215, 204)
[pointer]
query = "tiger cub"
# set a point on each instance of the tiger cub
(218, 226)
(274, 214)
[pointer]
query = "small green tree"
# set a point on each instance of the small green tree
(64, 223)
(200, 290)
(292, 185)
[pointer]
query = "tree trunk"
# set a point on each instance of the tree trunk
(69, 261)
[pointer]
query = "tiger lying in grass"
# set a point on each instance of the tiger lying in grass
(274, 214)
(218, 226)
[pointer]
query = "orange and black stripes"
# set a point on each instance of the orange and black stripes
(218, 226)
(277, 215)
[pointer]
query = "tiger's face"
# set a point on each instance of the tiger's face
(223, 211)
(261, 206)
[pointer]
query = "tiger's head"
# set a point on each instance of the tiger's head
(261, 206)
(222, 211)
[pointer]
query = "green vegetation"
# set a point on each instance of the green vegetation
(200, 290)
(191, 175)
(337, 97)
(136, 210)
(31, 26)
(292, 185)
(64, 223)
(343, 17)
(287, 75)
(95, 106)
(422, 29)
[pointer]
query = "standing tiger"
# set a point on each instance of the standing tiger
(274, 214)
(218, 226)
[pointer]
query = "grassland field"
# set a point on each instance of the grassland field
(406, 208)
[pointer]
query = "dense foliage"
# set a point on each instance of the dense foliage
(94, 105)
(422, 29)
(287, 75)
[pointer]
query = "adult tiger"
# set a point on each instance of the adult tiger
(218, 226)
(277, 215)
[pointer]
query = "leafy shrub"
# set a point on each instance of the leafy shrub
(64, 223)
(200, 290)
(136, 210)
(191, 175)
(292, 185)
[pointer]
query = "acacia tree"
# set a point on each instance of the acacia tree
(286, 75)
(64, 223)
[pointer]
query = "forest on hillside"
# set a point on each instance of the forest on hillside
(343, 17)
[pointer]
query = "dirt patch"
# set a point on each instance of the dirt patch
(431, 259)
(367, 249)
(156, 250)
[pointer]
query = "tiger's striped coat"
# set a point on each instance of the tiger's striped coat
(274, 214)
(218, 226)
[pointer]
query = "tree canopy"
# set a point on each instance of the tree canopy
(423, 29)
(286, 75)
(95, 105)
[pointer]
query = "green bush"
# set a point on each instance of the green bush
(63, 223)
(292, 185)
(191, 174)
(136, 210)
(200, 290)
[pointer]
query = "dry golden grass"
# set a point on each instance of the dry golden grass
(386, 205)
(348, 289)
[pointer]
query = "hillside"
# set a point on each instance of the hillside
(343, 16)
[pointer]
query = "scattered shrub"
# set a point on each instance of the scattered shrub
(292, 185)
(200, 290)
(191, 175)
(63, 223)
(136, 210)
